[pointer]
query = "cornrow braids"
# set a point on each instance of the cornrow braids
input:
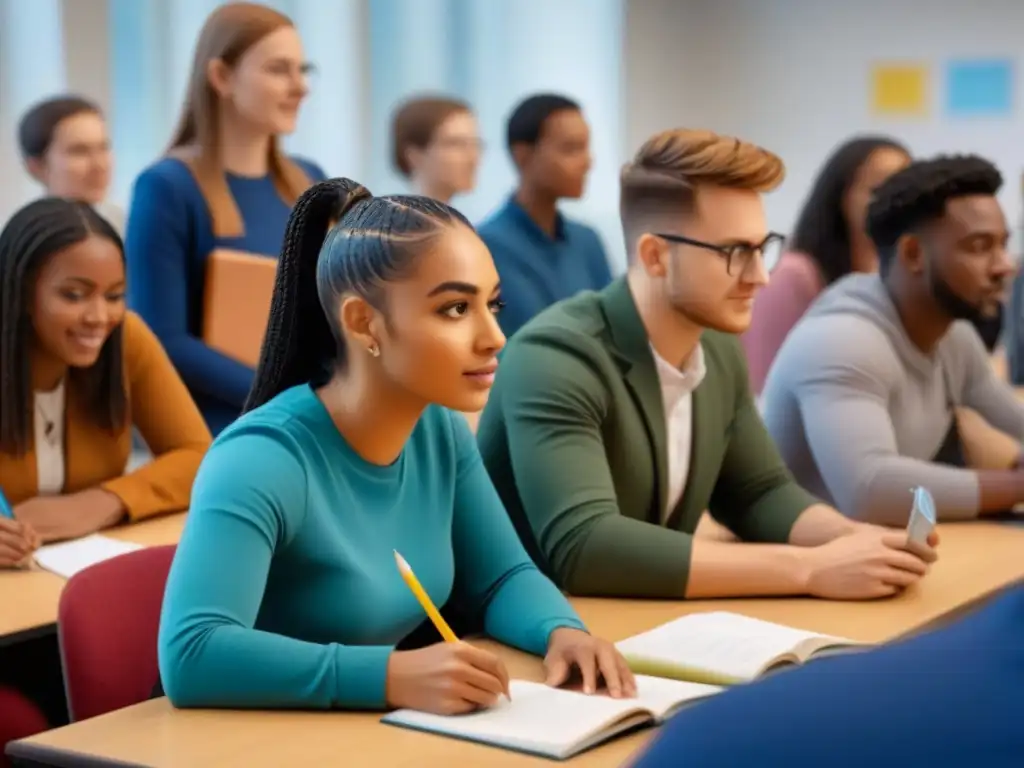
(30, 238)
(918, 194)
(372, 243)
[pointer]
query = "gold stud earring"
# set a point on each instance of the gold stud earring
(374, 350)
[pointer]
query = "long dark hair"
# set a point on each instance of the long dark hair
(372, 242)
(821, 231)
(31, 237)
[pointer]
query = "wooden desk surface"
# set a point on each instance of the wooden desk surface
(28, 599)
(977, 559)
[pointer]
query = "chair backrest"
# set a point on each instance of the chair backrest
(19, 719)
(107, 623)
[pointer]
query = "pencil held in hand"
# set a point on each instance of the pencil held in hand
(424, 599)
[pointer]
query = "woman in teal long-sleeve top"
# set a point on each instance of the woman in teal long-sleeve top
(284, 590)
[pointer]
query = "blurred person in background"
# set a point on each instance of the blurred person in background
(65, 147)
(224, 184)
(436, 146)
(541, 255)
(828, 242)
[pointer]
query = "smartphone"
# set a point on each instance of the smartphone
(922, 517)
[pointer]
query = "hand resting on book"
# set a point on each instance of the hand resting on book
(593, 657)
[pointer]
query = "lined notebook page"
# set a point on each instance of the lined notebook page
(539, 719)
(721, 642)
(558, 722)
(69, 557)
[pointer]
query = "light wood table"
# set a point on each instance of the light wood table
(977, 560)
(28, 599)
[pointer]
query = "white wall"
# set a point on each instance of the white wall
(793, 75)
(87, 49)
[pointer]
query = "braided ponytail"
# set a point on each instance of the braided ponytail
(299, 344)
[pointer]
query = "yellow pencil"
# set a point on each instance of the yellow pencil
(424, 599)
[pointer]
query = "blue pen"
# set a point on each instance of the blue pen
(6, 511)
(5, 506)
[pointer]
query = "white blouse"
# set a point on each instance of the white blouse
(49, 443)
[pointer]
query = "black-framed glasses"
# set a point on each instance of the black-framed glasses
(741, 255)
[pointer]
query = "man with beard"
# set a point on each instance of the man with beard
(863, 397)
(619, 417)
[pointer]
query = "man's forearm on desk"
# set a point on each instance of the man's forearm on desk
(820, 524)
(628, 558)
(616, 556)
(725, 569)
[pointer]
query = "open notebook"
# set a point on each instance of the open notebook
(724, 648)
(69, 557)
(558, 723)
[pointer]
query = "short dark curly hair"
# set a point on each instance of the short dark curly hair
(918, 194)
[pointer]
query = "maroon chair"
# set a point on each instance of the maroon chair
(107, 623)
(19, 719)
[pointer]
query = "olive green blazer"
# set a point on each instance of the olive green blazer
(574, 436)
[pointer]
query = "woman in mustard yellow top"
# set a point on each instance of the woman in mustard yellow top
(77, 371)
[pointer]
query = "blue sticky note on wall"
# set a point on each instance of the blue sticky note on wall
(980, 87)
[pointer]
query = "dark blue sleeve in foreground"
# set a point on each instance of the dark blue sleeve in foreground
(950, 697)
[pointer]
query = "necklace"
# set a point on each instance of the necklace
(50, 431)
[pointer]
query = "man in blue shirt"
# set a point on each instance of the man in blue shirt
(541, 256)
(953, 696)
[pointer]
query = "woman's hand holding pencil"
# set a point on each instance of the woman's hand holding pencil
(17, 543)
(448, 678)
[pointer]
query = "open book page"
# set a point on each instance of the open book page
(664, 697)
(69, 557)
(718, 647)
(557, 722)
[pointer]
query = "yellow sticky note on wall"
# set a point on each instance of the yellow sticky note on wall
(899, 89)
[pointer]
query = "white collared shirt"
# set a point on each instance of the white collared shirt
(677, 388)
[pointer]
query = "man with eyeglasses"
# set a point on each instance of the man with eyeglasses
(619, 417)
(871, 393)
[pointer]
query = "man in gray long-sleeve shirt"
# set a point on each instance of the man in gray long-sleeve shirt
(861, 398)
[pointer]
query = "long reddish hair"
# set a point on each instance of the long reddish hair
(230, 31)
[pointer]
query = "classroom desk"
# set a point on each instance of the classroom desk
(977, 560)
(28, 599)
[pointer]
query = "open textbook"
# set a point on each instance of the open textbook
(559, 723)
(69, 557)
(722, 648)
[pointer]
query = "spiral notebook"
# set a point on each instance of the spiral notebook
(557, 723)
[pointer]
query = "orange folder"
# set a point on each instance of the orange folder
(236, 303)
